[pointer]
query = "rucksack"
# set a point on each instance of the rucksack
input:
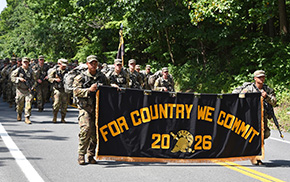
(239, 89)
(153, 78)
(68, 78)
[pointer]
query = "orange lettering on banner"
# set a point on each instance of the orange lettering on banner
(188, 109)
(133, 114)
(180, 111)
(122, 123)
(153, 117)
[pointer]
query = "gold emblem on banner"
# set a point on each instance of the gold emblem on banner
(184, 141)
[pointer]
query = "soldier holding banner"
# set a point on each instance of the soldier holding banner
(85, 87)
(135, 78)
(118, 77)
(269, 96)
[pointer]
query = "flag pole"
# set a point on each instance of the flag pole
(120, 54)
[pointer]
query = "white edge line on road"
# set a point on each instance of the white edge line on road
(280, 140)
(21, 160)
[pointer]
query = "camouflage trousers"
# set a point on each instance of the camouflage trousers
(11, 92)
(41, 94)
(4, 94)
(60, 101)
(87, 135)
(23, 100)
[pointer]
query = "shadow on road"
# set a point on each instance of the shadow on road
(32, 134)
(278, 163)
(118, 164)
(2, 159)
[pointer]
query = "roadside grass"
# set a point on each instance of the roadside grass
(281, 111)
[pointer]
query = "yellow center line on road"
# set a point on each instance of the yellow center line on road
(249, 172)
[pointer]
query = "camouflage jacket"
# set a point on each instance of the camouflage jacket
(55, 74)
(5, 72)
(40, 71)
(161, 82)
(28, 75)
(135, 79)
(146, 80)
(249, 87)
(82, 84)
(122, 79)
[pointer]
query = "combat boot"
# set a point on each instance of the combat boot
(54, 117)
(81, 160)
(92, 160)
(62, 118)
(27, 121)
(18, 116)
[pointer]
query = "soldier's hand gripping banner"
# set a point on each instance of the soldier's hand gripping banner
(134, 125)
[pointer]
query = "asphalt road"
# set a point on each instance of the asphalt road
(44, 151)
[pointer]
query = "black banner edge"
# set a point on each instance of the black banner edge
(172, 160)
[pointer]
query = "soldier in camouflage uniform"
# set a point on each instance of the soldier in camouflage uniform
(25, 81)
(269, 96)
(164, 83)
(135, 78)
(138, 69)
(85, 86)
(60, 97)
(4, 75)
(147, 73)
(118, 77)
(42, 87)
(11, 89)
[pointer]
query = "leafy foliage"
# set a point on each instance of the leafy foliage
(209, 45)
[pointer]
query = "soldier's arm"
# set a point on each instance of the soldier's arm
(34, 79)
(157, 85)
(127, 80)
(78, 91)
(140, 80)
(271, 97)
(51, 76)
(14, 77)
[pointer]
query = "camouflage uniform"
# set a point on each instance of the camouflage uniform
(146, 78)
(23, 93)
(122, 79)
(42, 88)
(135, 79)
(86, 102)
(161, 82)
(60, 97)
(11, 88)
(270, 99)
(5, 78)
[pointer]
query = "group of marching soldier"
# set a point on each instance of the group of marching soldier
(25, 82)
(22, 80)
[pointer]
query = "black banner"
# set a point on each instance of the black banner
(135, 125)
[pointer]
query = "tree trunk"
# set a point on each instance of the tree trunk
(169, 47)
(282, 17)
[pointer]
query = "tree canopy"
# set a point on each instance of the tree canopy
(208, 45)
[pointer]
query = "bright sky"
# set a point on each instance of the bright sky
(2, 4)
